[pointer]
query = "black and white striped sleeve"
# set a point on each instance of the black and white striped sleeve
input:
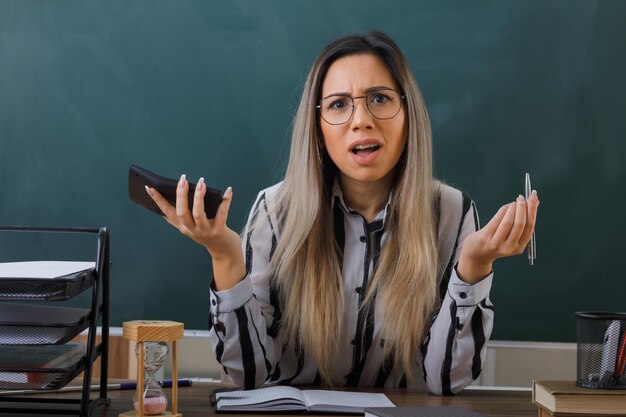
(455, 346)
(244, 319)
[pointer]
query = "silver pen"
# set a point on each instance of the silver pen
(532, 246)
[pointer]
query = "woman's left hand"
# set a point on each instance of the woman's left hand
(506, 234)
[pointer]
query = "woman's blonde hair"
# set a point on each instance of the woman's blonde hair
(307, 260)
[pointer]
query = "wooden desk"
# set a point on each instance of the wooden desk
(194, 401)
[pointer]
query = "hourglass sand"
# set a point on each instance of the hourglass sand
(152, 351)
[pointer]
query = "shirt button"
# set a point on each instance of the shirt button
(363, 239)
(353, 342)
(213, 302)
(359, 290)
(463, 295)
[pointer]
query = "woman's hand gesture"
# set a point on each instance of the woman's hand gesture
(506, 234)
(223, 244)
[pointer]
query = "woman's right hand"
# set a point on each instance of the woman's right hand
(223, 244)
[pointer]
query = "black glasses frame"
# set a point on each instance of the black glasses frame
(402, 97)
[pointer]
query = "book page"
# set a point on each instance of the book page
(344, 401)
(271, 398)
(42, 269)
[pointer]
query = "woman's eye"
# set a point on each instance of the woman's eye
(379, 98)
(338, 104)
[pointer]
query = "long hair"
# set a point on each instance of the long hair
(307, 260)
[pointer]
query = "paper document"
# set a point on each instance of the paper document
(42, 269)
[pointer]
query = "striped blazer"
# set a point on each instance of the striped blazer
(245, 320)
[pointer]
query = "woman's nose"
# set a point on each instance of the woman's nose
(361, 118)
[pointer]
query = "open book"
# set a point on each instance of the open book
(284, 398)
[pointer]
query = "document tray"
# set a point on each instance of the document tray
(39, 379)
(27, 324)
(34, 350)
(44, 289)
(40, 367)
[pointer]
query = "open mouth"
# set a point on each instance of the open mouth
(365, 149)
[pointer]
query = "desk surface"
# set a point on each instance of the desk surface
(194, 401)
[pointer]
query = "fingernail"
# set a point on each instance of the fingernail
(181, 183)
(228, 191)
(534, 193)
(147, 190)
(200, 184)
(520, 198)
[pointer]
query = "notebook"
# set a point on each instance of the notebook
(284, 398)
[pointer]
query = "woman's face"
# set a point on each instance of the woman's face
(365, 149)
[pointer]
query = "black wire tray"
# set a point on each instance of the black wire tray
(45, 289)
(48, 379)
(40, 367)
(27, 324)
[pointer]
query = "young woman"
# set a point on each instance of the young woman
(359, 268)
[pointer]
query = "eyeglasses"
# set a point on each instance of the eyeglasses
(383, 104)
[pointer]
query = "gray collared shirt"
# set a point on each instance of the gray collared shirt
(245, 331)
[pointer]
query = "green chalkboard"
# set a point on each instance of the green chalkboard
(209, 88)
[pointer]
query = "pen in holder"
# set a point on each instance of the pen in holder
(152, 351)
(601, 350)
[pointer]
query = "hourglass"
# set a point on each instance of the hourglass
(152, 351)
(154, 399)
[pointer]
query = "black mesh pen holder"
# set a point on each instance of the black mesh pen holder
(601, 350)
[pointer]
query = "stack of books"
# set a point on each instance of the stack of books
(564, 398)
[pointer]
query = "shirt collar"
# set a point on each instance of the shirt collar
(337, 198)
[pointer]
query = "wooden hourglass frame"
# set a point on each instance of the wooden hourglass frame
(142, 331)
